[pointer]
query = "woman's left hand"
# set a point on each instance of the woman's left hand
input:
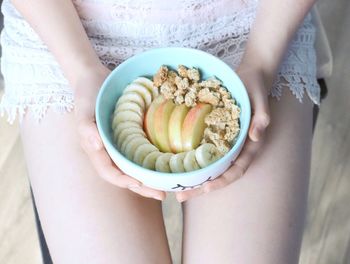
(256, 83)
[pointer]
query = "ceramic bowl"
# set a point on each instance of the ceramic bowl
(147, 64)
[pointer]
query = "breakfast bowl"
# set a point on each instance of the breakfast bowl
(146, 64)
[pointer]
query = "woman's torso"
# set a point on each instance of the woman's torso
(120, 28)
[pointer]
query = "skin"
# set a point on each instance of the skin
(262, 189)
(81, 66)
(265, 48)
(85, 73)
(260, 217)
(86, 219)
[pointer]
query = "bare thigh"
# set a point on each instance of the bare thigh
(258, 219)
(84, 218)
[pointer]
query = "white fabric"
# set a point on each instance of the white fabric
(119, 29)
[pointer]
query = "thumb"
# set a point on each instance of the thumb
(90, 139)
(261, 115)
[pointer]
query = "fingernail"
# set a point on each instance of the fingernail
(206, 188)
(265, 121)
(134, 188)
(158, 198)
(180, 200)
(95, 143)
(255, 134)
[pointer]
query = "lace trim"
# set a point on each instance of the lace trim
(114, 41)
(53, 96)
(297, 85)
(298, 70)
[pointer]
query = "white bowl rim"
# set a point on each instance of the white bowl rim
(239, 141)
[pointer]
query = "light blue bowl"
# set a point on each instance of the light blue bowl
(146, 64)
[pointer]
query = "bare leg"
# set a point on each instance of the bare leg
(85, 219)
(258, 219)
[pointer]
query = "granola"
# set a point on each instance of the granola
(179, 99)
(184, 86)
(190, 99)
(182, 70)
(211, 83)
(223, 123)
(168, 89)
(161, 76)
(207, 96)
(193, 74)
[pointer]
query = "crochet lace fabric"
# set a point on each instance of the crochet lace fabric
(119, 29)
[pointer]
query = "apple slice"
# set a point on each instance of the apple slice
(161, 121)
(193, 126)
(148, 123)
(175, 126)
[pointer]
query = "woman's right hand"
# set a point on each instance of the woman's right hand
(86, 90)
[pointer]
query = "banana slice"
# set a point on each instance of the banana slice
(176, 162)
(142, 151)
(162, 162)
(128, 139)
(127, 115)
(132, 106)
(149, 85)
(190, 162)
(206, 154)
(150, 161)
(126, 132)
(117, 128)
(132, 97)
(132, 145)
(116, 136)
(142, 90)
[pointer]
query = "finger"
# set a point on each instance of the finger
(237, 170)
(92, 144)
(241, 164)
(261, 115)
(89, 137)
(248, 153)
(149, 192)
(186, 195)
(107, 170)
(85, 118)
(205, 188)
(234, 173)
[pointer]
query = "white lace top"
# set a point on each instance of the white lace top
(119, 29)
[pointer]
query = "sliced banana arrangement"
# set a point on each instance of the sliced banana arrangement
(207, 154)
(190, 162)
(131, 132)
(176, 162)
(162, 162)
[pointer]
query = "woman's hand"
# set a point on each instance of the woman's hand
(263, 54)
(256, 83)
(86, 90)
